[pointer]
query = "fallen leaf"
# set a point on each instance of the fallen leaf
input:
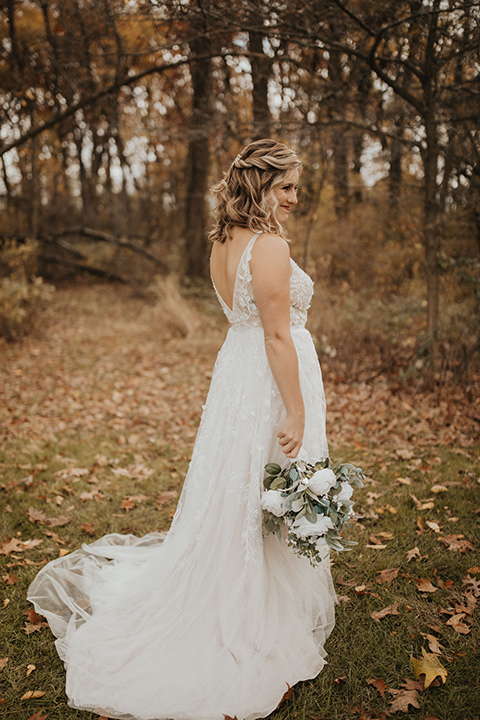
(438, 489)
(404, 480)
(88, 528)
(456, 622)
(424, 585)
(389, 610)
(472, 584)
(72, 473)
(39, 517)
(30, 669)
(386, 576)
(379, 685)
(415, 552)
(433, 644)
(166, 496)
(9, 579)
(339, 680)
(430, 666)
(59, 521)
(376, 547)
(15, 545)
(39, 716)
(474, 570)
(33, 694)
(404, 453)
(403, 699)
(35, 621)
(287, 695)
(433, 526)
(93, 494)
(129, 502)
(36, 516)
(3, 662)
(456, 543)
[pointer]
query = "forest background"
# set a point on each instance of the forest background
(116, 118)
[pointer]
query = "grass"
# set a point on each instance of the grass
(66, 407)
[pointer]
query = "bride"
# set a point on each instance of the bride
(212, 620)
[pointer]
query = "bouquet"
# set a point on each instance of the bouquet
(312, 500)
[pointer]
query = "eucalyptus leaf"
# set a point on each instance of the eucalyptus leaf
(278, 483)
(273, 468)
(298, 504)
(310, 512)
(268, 481)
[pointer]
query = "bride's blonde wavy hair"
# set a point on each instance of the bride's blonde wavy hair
(245, 194)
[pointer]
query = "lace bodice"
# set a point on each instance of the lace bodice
(244, 311)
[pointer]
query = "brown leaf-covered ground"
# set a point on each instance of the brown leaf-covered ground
(98, 411)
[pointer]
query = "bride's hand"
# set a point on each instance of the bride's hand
(290, 435)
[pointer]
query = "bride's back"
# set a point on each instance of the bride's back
(224, 262)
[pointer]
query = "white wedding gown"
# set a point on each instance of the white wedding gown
(211, 619)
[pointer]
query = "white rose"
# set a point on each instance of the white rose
(345, 492)
(322, 481)
(273, 502)
(304, 528)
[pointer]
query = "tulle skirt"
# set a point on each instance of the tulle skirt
(210, 619)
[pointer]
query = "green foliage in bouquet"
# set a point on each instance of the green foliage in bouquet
(312, 501)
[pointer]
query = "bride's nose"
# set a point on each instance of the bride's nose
(292, 197)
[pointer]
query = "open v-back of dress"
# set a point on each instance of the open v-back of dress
(211, 619)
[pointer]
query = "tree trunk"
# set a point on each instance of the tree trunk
(261, 68)
(198, 160)
(395, 171)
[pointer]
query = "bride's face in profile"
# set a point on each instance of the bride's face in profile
(286, 195)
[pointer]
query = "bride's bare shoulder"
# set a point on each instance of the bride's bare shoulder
(269, 245)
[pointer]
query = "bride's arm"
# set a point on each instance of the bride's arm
(270, 266)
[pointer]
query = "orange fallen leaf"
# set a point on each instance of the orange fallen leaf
(33, 694)
(88, 528)
(379, 685)
(3, 662)
(9, 579)
(287, 695)
(424, 585)
(39, 716)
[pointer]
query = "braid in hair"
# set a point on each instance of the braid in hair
(244, 194)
